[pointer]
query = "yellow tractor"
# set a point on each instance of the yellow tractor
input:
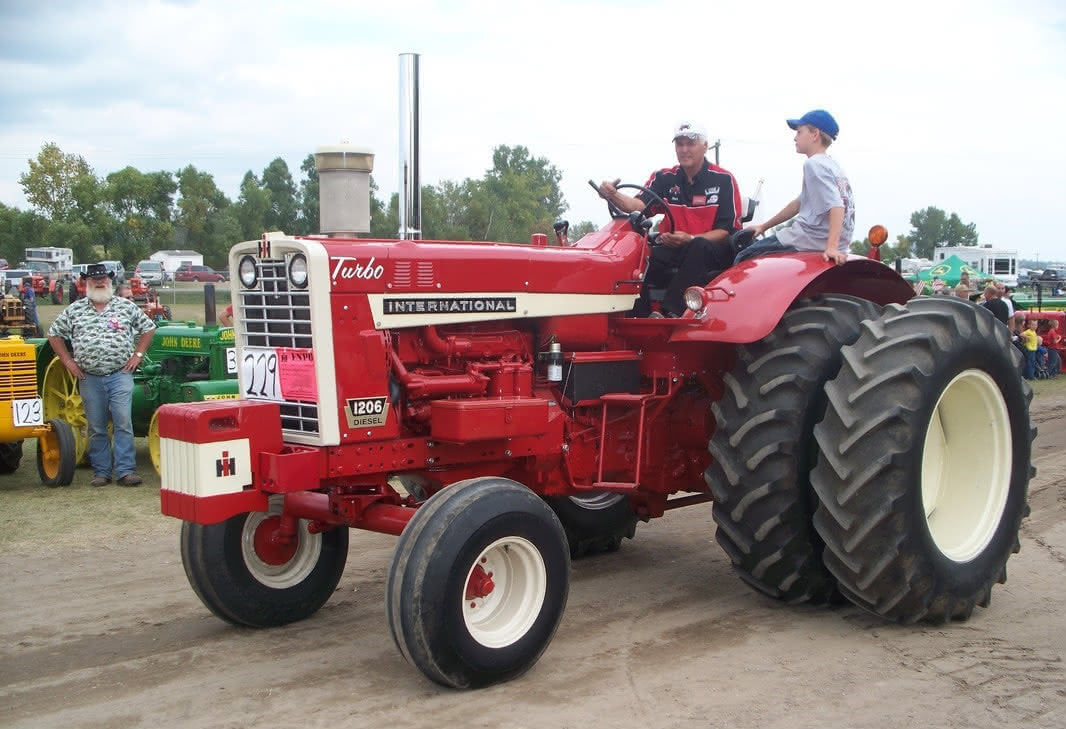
(22, 416)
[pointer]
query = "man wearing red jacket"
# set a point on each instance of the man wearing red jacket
(701, 243)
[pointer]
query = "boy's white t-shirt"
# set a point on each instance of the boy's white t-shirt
(825, 186)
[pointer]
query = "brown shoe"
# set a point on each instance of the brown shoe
(100, 481)
(130, 479)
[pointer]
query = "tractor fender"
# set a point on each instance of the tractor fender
(747, 301)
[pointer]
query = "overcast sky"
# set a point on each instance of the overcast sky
(960, 105)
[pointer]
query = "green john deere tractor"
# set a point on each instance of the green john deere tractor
(185, 363)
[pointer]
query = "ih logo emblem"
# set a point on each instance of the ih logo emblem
(225, 466)
(264, 247)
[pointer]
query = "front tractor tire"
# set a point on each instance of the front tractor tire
(246, 578)
(595, 522)
(478, 583)
(57, 454)
(763, 448)
(926, 449)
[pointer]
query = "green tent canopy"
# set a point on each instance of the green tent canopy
(950, 271)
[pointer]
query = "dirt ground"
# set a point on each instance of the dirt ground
(661, 634)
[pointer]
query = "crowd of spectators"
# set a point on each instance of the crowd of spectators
(1036, 337)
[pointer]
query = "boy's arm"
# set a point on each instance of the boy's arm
(832, 247)
(787, 213)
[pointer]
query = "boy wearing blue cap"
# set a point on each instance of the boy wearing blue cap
(825, 209)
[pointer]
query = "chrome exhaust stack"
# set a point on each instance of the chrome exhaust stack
(410, 180)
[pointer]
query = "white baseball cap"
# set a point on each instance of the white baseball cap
(690, 130)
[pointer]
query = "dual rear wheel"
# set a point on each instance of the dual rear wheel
(907, 496)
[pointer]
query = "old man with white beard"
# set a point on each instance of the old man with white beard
(109, 336)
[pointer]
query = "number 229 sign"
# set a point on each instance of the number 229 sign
(282, 373)
(259, 374)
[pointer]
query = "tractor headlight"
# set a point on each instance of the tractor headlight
(246, 272)
(694, 298)
(298, 271)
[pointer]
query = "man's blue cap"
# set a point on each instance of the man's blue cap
(819, 119)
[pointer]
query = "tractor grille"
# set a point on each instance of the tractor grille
(274, 316)
(18, 380)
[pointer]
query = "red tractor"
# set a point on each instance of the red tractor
(43, 286)
(499, 408)
(496, 407)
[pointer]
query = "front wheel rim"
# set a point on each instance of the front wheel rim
(295, 569)
(967, 461)
(519, 584)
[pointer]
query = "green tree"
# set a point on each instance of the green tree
(384, 220)
(932, 227)
(19, 229)
(206, 216)
(253, 207)
(284, 209)
(521, 195)
(307, 224)
(141, 205)
(579, 231)
(49, 184)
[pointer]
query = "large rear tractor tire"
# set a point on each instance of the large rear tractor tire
(595, 523)
(764, 449)
(10, 456)
(925, 462)
(478, 583)
(62, 401)
(247, 578)
(56, 454)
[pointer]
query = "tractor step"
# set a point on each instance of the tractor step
(619, 487)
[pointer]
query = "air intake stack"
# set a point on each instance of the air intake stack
(344, 188)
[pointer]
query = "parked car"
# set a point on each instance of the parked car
(200, 274)
(116, 267)
(77, 270)
(11, 279)
(151, 272)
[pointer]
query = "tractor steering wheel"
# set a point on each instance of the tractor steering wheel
(616, 213)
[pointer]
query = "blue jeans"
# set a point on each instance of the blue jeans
(1029, 370)
(109, 398)
(769, 244)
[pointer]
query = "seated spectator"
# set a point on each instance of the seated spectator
(1053, 341)
(994, 304)
(825, 208)
(1030, 343)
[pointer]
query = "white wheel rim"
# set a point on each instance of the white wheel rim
(520, 581)
(966, 465)
(596, 502)
(289, 574)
